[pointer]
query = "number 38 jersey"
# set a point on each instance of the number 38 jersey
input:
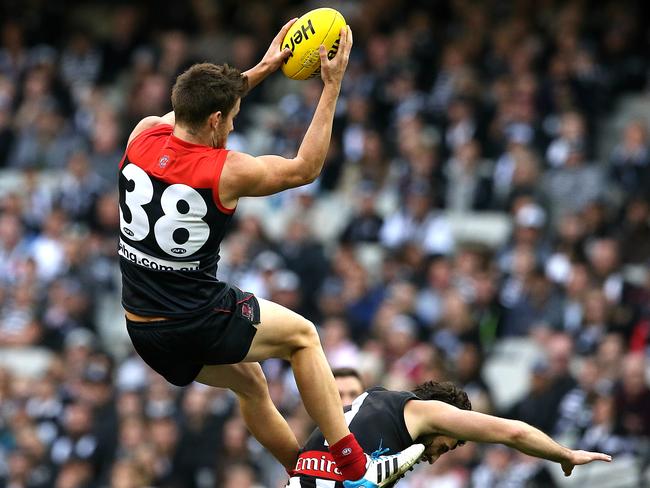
(171, 225)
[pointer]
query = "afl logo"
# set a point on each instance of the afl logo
(178, 250)
(162, 162)
(128, 232)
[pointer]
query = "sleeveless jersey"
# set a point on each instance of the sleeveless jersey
(376, 418)
(171, 225)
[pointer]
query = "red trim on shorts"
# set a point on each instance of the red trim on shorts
(245, 299)
(221, 310)
(221, 161)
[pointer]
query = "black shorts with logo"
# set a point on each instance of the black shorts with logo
(178, 348)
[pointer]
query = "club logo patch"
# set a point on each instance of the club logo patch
(347, 451)
(162, 162)
(247, 311)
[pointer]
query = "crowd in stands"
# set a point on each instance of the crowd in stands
(450, 107)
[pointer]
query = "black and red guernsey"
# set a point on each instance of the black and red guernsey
(376, 418)
(171, 225)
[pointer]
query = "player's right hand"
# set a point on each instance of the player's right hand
(577, 458)
(332, 70)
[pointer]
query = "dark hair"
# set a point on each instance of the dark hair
(445, 391)
(204, 89)
(343, 372)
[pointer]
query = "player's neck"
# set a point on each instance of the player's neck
(193, 136)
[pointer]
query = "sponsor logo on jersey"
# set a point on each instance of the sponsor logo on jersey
(318, 464)
(145, 260)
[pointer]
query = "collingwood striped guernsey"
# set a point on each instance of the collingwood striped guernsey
(376, 418)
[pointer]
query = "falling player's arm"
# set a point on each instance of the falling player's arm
(429, 417)
(245, 175)
(152, 121)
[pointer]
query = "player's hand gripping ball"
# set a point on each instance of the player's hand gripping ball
(319, 26)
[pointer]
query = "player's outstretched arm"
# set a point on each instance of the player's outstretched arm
(245, 175)
(429, 417)
(272, 59)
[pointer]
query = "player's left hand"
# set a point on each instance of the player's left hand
(275, 56)
(577, 458)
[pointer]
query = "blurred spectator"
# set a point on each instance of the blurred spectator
(575, 184)
(76, 441)
(575, 409)
(349, 384)
(630, 159)
(416, 222)
(19, 326)
(635, 239)
(602, 433)
(469, 179)
(304, 256)
(80, 189)
(539, 405)
(47, 248)
(632, 400)
(572, 134)
(366, 224)
(48, 143)
(340, 350)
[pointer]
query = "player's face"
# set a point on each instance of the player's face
(349, 388)
(437, 445)
(226, 125)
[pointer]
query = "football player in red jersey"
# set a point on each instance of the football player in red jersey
(179, 187)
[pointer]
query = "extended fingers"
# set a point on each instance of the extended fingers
(599, 456)
(322, 51)
(346, 47)
(285, 28)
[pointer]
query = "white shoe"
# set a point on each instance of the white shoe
(382, 470)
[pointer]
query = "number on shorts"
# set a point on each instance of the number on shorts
(181, 230)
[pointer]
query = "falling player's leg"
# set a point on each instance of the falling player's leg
(264, 421)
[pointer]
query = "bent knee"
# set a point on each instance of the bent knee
(305, 335)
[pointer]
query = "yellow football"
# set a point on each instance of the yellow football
(319, 26)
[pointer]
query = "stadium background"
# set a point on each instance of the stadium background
(483, 216)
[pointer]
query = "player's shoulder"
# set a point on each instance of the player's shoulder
(238, 158)
(148, 135)
(392, 399)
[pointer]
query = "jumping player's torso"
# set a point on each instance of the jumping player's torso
(376, 418)
(171, 225)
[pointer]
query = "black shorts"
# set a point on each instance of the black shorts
(178, 348)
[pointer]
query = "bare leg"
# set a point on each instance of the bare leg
(287, 335)
(261, 417)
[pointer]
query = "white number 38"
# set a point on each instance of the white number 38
(183, 219)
